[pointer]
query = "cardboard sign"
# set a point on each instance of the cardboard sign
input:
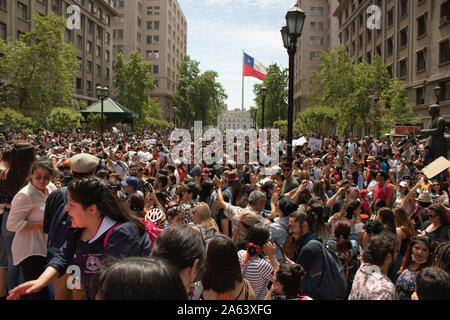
(150, 141)
(314, 144)
(436, 167)
(299, 142)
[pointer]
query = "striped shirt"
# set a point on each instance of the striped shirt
(258, 272)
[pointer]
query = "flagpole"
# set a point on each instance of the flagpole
(242, 80)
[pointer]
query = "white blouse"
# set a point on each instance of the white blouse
(28, 206)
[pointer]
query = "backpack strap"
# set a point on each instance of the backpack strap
(105, 241)
(64, 194)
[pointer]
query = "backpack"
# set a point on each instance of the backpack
(60, 224)
(290, 248)
(333, 284)
(207, 233)
(152, 230)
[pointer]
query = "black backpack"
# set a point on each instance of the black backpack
(333, 284)
(59, 227)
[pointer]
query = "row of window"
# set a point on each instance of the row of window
(98, 68)
(444, 95)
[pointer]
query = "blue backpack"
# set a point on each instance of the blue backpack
(59, 227)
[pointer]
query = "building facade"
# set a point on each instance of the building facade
(158, 30)
(234, 119)
(92, 41)
(320, 33)
(412, 40)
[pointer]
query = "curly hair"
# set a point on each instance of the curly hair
(378, 247)
(442, 256)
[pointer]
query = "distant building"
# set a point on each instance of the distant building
(93, 43)
(158, 30)
(234, 119)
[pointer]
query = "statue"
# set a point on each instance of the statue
(436, 132)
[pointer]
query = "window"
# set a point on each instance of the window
(445, 12)
(108, 37)
(155, 39)
(106, 74)
(79, 83)
(421, 55)
(444, 51)
(89, 66)
(320, 11)
(90, 26)
(403, 68)
(139, 22)
(403, 8)
(157, 10)
(56, 6)
(3, 4)
(120, 33)
(389, 46)
(156, 25)
(79, 42)
(155, 69)
(149, 39)
(378, 50)
(88, 85)
(369, 57)
(98, 51)
(320, 41)
(2, 31)
(312, 11)
(89, 46)
(390, 18)
(312, 55)
(313, 26)
(421, 25)
(420, 95)
(149, 25)
(22, 11)
(148, 54)
(312, 41)
(149, 10)
(389, 70)
(106, 55)
(99, 32)
(320, 26)
(98, 70)
(445, 91)
(403, 37)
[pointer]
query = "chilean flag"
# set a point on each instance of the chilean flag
(254, 68)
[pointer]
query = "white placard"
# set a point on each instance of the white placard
(314, 144)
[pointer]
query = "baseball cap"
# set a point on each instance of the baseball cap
(364, 192)
(130, 182)
(83, 163)
(232, 176)
(403, 184)
(196, 172)
(191, 187)
(371, 158)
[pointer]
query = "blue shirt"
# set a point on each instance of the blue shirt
(279, 234)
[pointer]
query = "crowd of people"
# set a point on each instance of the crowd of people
(122, 217)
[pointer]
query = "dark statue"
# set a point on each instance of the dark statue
(437, 140)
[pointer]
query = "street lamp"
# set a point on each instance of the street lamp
(295, 19)
(263, 94)
(437, 93)
(102, 93)
(254, 111)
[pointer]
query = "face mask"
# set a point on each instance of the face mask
(418, 262)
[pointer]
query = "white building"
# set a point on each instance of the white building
(235, 119)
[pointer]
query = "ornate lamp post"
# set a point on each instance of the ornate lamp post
(295, 19)
(437, 93)
(254, 111)
(263, 94)
(102, 94)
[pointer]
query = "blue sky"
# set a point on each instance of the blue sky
(218, 31)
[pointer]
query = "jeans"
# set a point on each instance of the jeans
(14, 275)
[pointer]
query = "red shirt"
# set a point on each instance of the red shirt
(382, 192)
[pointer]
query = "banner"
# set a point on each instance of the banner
(314, 144)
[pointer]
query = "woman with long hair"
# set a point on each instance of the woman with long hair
(320, 226)
(104, 228)
(29, 247)
(345, 249)
(206, 196)
(17, 161)
(258, 261)
(203, 223)
(287, 283)
(418, 256)
(222, 277)
(437, 228)
(437, 193)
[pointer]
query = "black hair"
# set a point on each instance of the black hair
(258, 234)
(290, 277)
(442, 256)
(180, 245)
(141, 278)
(93, 190)
(378, 248)
(387, 219)
(373, 227)
(205, 191)
(43, 164)
(433, 284)
(222, 267)
(162, 178)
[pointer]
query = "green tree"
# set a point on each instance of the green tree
(41, 67)
(275, 104)
(317, 119)
(133, 83)
(15, 120)
(198, 96)
(281, 125)
(364, 94)
(64, 119)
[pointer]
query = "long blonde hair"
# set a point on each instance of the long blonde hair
(204, 213)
